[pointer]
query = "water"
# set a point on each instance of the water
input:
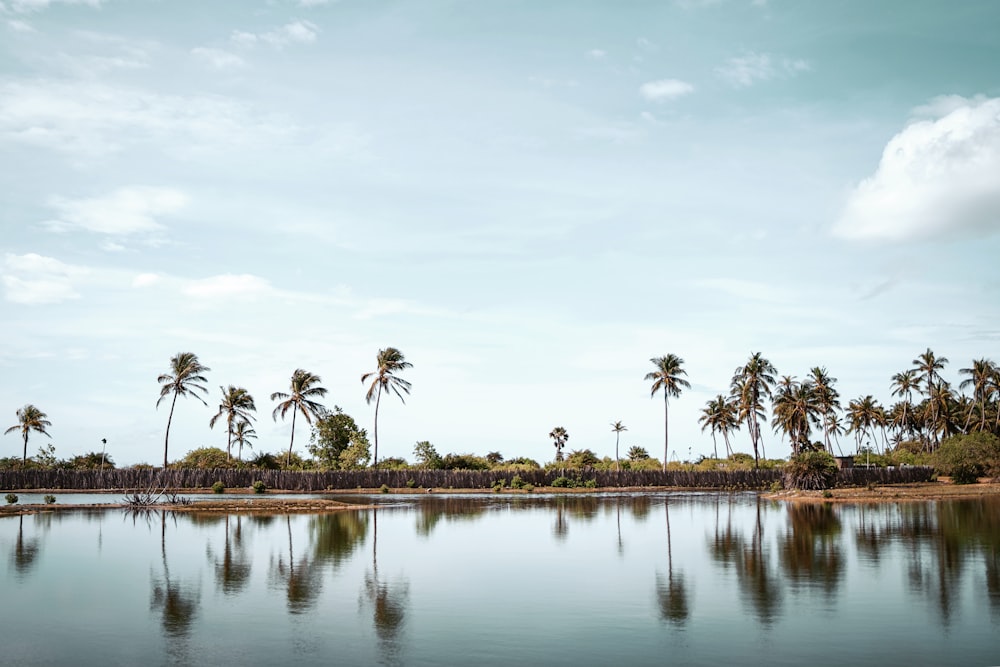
(692, 579)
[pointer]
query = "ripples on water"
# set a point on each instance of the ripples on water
(698, 579)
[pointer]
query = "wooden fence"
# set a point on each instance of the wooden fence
(441, 479)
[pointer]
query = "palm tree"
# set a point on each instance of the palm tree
(904, 384)
(750, 385)
(719, 415)
(304, 388)
(617, 428)
(184, 379)
(981, 375)
(388, 361)
(559, 436)
(243, 433)
(827, 399)
(928, 365)
(667, 377)
(30, 418)
(865, 414)
(236, 405)
(795, 408)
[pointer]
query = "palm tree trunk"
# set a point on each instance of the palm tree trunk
(166, 438)
(666, 429)
(715, 445)
(24, 457)
(378, 399)
(617, 466)
(288, 459)
(229, 438)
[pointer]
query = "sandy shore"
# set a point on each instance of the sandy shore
(943, 489)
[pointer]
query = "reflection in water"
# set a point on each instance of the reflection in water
(25, 550)
(232, 570)
(388, 602)
(176, 602)
(811, 549)
(671, 594)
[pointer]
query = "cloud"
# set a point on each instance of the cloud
(665, 89)
(295, 32)
(125, 211)
(26, 6)
(217, 58)
(313, 3)
(93, 118)
(937, 178)
(145, 280)
(20, 26)
(36, 279)
(597, 54)
(750, 68)
(228, 286)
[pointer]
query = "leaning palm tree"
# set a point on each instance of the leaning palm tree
(389, 361)
(667, 377)
(237, 405)
(30, 418)
(981, 375)
(720, 415)
(186, 377)
(304, 388)
(827, 399)
(559, 437)
(617, 428)
(904, 384)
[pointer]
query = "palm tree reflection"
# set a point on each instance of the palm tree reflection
(176, 602)
(388, 602)
(232, 570)
(671, 593)
(25, 551)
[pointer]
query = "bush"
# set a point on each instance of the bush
(499, 485)
(205, 458)
(258, 487)
(810, 471)
(383, 489)
(561, 482)
(411, 483)
(966, 458)
(11, 498)
(218, 487)
(516, 482)
(50, 499)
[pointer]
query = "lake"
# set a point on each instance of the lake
(610, 579)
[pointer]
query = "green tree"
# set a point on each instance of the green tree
(389, 362)
(904, 384)
(796, 409)
(303, 389)
(864, 415)
(636, 453)
(617, 428)
(827, 399)
(667, 377)
(982, 375)
(426, 455)
(752, 383)
(719, 415)
(334, 434)
(967, 457)
(559, 437)
(237, 406)
(30, 418)
(186, 377)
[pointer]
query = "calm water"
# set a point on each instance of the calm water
(577, 580)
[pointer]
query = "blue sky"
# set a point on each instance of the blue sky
(529, 199)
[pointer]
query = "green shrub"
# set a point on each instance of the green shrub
(50, 499)
(776, 486)
(258, 487)
(383, 489)
(561, 482)
(205, 458)
(810, 471)
(516, 482)
(528, 487)
(828, 493)
(591, 483)
(966, 458)
(499, 484)
(411, 483)
(11, 498)
(218, 487)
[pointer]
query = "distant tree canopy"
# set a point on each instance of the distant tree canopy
(337, 443)
(968, 457)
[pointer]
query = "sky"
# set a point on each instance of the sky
(530, 200)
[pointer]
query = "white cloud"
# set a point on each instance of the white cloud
(145, 280)
(96, 119)
(597, 54)
(665, 89)
(25, 6)
(297, 32)
(125, 211)
(750, 68)
(938, 177)
(228, 286)
(36, 279)
(20, 26)
(313, 3)
(217, 58)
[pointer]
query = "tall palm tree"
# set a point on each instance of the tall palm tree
(30, 418)
(865, 414)
(186, 377)
(751, 383)
(617, 428)
(904, 384)
(237, 405)
(827, 399)
(667, 377)
(928, 364)
(796, 409)
(559, 437)
(981, 375)
(304, 388)
(719, 415)
(388, 361)
(243, 433)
